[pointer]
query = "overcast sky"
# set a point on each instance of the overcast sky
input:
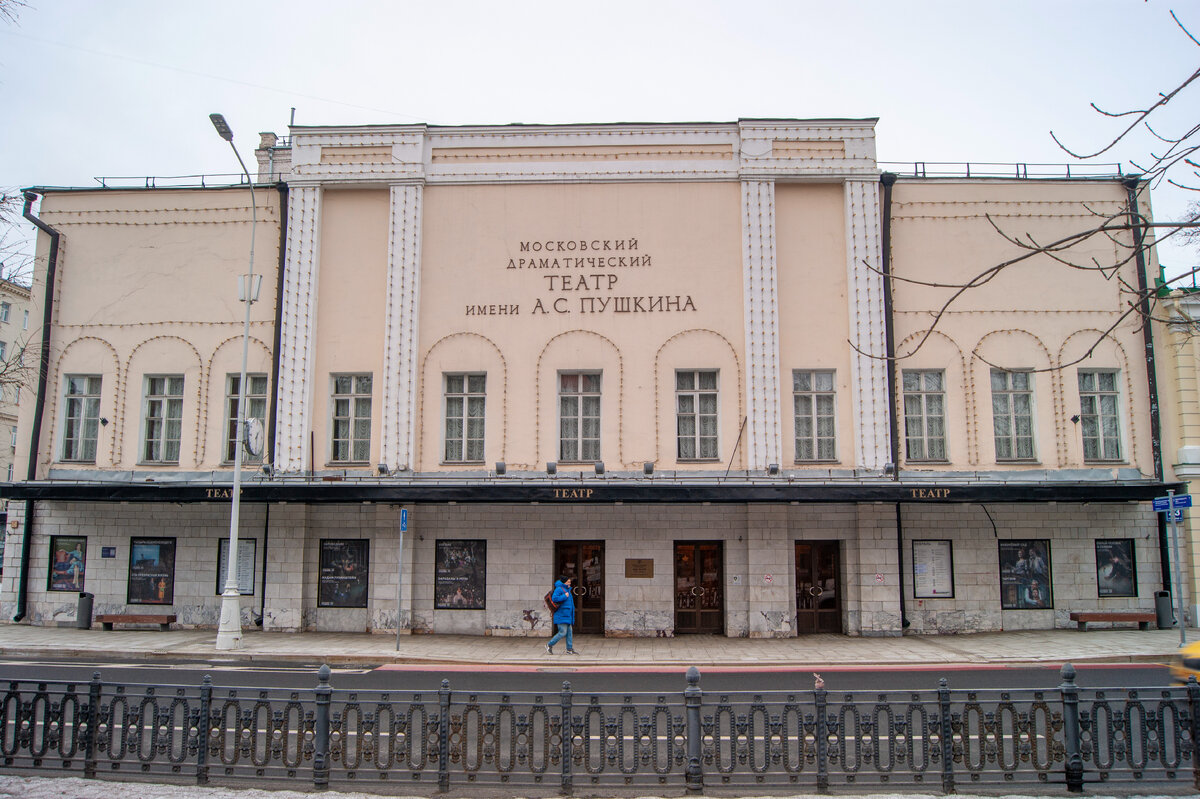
(124, 87)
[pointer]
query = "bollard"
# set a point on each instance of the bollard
(694, 776)
(1193, 691)
(444, 736)
(819, 698)
(1070, 700)
(203, 726)
(565, 732)
(93, 725)
(947, 736)
(321, 729)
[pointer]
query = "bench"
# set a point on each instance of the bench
(161, 619)
(1142, 618)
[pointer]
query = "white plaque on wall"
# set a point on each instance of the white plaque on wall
(933, 570)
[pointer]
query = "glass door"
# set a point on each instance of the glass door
(699, 587)
(818, 592)
(584, 561)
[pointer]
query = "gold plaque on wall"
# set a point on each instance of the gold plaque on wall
(639, 567)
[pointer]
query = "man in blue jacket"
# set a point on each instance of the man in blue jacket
(564, 614)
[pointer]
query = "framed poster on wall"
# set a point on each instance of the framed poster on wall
(68, 562)
(246, 551)
(1025, 574)
(1116, 570)
(933, 570)
(151, 571)
(345, 569)
(460, 575)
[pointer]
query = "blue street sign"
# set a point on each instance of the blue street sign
(404, 520)
(1180, 501)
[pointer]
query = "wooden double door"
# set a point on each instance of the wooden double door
(583, 561)
(818, 587)
(699, 587)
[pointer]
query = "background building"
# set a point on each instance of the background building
(663, 358)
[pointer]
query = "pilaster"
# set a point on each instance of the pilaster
(402, 327)
(868, 367)
(299, 318)
(762, 322)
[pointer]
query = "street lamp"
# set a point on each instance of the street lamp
(229, 632)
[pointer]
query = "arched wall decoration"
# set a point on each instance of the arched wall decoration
(741, 382)
(123, 393)
(204, 413)
(916, 336)
(1127, 399)
(537, 436)
(54, 396)
(974, 436)
(418, 451)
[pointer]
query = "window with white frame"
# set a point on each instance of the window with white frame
(1012, 415)
(1099, 414)
(924, 414)
(578, 416)
(696, 414)
(256, 408)
(25, 320)
(3, 350)
(351, 401)
(813, 402)
(14, 436)
(163, 414)
(466, 403)
(5, 309)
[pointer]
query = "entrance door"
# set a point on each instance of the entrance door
(584, 561)
(818, 593)
(699, 594)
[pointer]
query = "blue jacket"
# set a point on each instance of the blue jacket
(565, 612)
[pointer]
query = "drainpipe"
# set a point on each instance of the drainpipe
(270, 443)
(35, 435)
(1131, 184)
(889, 334)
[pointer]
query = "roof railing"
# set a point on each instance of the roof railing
(987, 169)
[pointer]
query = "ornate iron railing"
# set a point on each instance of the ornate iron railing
(844, 742)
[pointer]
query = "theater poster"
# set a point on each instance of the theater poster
(151, 571)
(68, 559)
(345, 567)
(1116, 570)
(1025, 574)
(460, 575)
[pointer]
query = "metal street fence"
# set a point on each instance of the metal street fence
(389, 741)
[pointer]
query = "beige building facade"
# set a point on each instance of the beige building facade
(717, 372)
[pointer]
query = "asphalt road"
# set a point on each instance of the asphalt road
(551, 677)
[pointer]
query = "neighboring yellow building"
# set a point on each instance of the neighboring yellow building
(653, 357)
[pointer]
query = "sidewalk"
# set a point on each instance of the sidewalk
(831, 651)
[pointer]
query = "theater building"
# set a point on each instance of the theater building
(714, 371)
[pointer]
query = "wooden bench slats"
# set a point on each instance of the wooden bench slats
(163, 620)
(1143, 618)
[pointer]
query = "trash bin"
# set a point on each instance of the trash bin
(1162, 607)
(83, 614)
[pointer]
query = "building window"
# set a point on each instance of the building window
(925, 414)
(578, 417)
(5, 309)
(1012, 415)
(813, 401)
(14, 436)
(351, 419)
(164, 414)
(696, 415)
(10, 477)
(466, 401)
(82, 418)
(256, 406)
(25, 320)
(3, 350)
(1099, 402)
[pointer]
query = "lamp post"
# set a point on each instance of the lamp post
(229, 632)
